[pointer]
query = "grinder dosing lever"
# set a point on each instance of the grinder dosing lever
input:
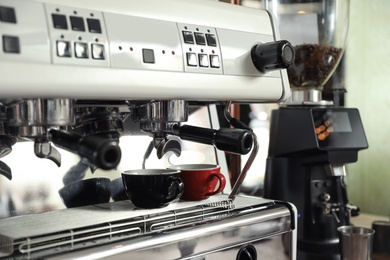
(232, 140)
(95, 150)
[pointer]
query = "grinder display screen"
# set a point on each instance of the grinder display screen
(338, 128)
(333, 122)
(341, 122)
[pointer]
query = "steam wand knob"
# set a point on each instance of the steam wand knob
(226, 139)
(273, 55)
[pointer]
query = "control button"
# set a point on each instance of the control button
(199, 38)
(211, 40)
(94, 25)
(59, 21)
(77, 23)
(188, 37)
(203, 60)
(63, 49)
(81, 50)
(7, 14)
(214, 61)
(11, 44)
(98, 51)
(148, 55)
(191, 59)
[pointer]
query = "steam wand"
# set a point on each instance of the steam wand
(239, 139)
(238, 124)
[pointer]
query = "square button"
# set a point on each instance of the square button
(191, 59)
(199, 38)
(214, 61)
(81, 50)
(59, 21)
(211, 40)
(98, 51)
(77, 23)
(188, 37)
(7, 14)
(94, 25)
(63, 49)
(11, 44)
(203, 60)
(148, 56)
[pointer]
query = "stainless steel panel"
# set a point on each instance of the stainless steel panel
(129, 35)
(127, 30)
(268, 248)
(31, 28)
(128, 230)
(194, 241)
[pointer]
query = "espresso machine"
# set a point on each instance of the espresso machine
(88, 86)
(311, 140)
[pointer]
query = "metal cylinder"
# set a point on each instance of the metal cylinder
(162, 111)
(41, 112)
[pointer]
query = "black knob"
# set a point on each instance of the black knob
(273, 55)
(96, 150)
(247, 252)
(233, 140)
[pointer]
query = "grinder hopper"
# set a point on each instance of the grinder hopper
(318, 31)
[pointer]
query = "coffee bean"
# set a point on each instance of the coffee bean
(313, 65)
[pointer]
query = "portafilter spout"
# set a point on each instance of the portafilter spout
(6, 143)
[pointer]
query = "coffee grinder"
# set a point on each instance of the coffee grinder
(311, 140)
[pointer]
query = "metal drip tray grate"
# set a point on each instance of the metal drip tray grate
(76, 228)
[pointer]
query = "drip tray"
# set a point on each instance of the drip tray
(75, 228)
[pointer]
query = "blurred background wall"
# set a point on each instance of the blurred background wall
(368, 82)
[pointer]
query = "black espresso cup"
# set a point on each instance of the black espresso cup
(152, 188)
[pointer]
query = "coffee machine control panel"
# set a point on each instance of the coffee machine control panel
(79, 37)
(159, 47)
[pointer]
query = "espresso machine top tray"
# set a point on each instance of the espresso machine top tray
(75, 228)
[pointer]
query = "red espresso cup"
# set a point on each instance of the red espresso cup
(200, 180)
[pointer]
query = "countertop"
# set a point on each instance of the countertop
(365, 220)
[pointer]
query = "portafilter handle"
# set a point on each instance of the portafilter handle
(232, 140)
(95, 150)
